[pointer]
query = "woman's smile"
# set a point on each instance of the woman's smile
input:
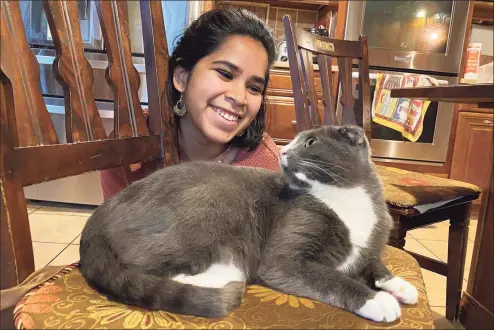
(226, 114)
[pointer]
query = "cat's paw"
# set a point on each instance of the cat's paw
(404, 291)
(382, 308)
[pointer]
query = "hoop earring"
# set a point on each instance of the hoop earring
(180, 107)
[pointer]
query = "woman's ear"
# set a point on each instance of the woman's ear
(181, 77)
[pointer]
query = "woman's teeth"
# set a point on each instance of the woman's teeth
(225, 115)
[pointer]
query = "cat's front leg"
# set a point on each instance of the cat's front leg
(383, 279)
(318, 282)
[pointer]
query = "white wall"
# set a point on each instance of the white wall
(483, 34)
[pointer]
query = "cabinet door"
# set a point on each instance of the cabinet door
(280, 120)
(471, 160)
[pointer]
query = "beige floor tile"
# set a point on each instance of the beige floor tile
(414, 246)
(67, 209)
(55, 228)
(438, 310)
(439, 320)
(472, 229)
(33, 205)
(45, 252)
(77, 241)
(436, 232)
(440, 249)
(436, 286)
(466, 273)
(68, 256)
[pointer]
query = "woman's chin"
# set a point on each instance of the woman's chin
(220, 136)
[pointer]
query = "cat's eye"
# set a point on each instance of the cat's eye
(309, 142)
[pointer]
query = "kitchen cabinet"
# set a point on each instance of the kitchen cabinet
(471, 158)
(477, 301)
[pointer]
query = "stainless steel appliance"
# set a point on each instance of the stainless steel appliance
(431, 147)
(424, 37)
(414, 35)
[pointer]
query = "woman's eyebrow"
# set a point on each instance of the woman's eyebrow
(236, 69)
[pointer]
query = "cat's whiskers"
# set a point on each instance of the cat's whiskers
(328, 163)
(329, 173)
(319, 168)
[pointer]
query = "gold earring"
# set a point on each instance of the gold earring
(241, 133)
(180, 107)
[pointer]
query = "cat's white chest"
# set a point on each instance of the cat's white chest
(354, 208)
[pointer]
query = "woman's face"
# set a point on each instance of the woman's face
(223, 93)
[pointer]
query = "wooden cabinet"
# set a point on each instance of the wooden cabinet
(281, 113)
(477, 302)
(471, 160)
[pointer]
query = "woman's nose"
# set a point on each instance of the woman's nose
(238, 95)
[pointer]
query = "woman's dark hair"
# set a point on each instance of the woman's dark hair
(204, 36)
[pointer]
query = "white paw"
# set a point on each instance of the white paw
(404, 291)
(382, 308)
(216, 276)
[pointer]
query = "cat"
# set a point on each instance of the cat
(188, 238)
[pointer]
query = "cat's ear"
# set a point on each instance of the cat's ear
(354, 134)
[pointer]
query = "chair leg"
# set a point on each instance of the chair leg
(16, 250)
(458, 237)
(397, 237)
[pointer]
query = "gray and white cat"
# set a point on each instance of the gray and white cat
(188, 238)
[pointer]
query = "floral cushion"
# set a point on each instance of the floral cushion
(409, 189)
(66, 301)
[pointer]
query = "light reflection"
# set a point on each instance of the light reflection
(433, 36)
(421, 13)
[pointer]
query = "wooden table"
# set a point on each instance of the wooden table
(481, 94)
(476, 310)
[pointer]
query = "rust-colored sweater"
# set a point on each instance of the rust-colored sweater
(266, 155)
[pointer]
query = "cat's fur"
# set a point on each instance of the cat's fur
(188, 238)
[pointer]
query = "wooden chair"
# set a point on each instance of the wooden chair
(63, 299)
(404, 190)
(30, 150)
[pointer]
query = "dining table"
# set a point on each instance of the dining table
(476, 306)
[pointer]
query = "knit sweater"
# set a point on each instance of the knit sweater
(266, 155)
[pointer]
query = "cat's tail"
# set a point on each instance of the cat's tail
(105, 274)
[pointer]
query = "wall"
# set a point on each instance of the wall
(175, 16)
(484, 35)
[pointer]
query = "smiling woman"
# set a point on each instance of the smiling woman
(218, 74)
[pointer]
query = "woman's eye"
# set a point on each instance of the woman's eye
(255, 89)
(309, 142)
(225, 74)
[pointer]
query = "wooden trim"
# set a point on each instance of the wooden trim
(456, 93)
(432, 265)
(72, 159)
(467, 37)
(327, 46)
(162, 120)
(473, 315)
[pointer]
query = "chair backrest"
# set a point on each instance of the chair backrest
(301, 47)
(30, 150)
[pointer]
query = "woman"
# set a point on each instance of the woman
(218, 74)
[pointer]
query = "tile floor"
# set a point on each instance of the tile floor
(56, 229)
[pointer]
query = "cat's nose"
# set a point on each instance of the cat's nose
(283, 152)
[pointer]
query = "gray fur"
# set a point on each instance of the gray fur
(183, 218)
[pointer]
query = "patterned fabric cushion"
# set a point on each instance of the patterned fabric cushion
(408, 189)
(66, 301)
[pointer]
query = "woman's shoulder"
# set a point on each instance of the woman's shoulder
(266, 155)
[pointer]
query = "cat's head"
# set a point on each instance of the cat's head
(334, 155)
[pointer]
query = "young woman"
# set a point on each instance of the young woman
(218, 74)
